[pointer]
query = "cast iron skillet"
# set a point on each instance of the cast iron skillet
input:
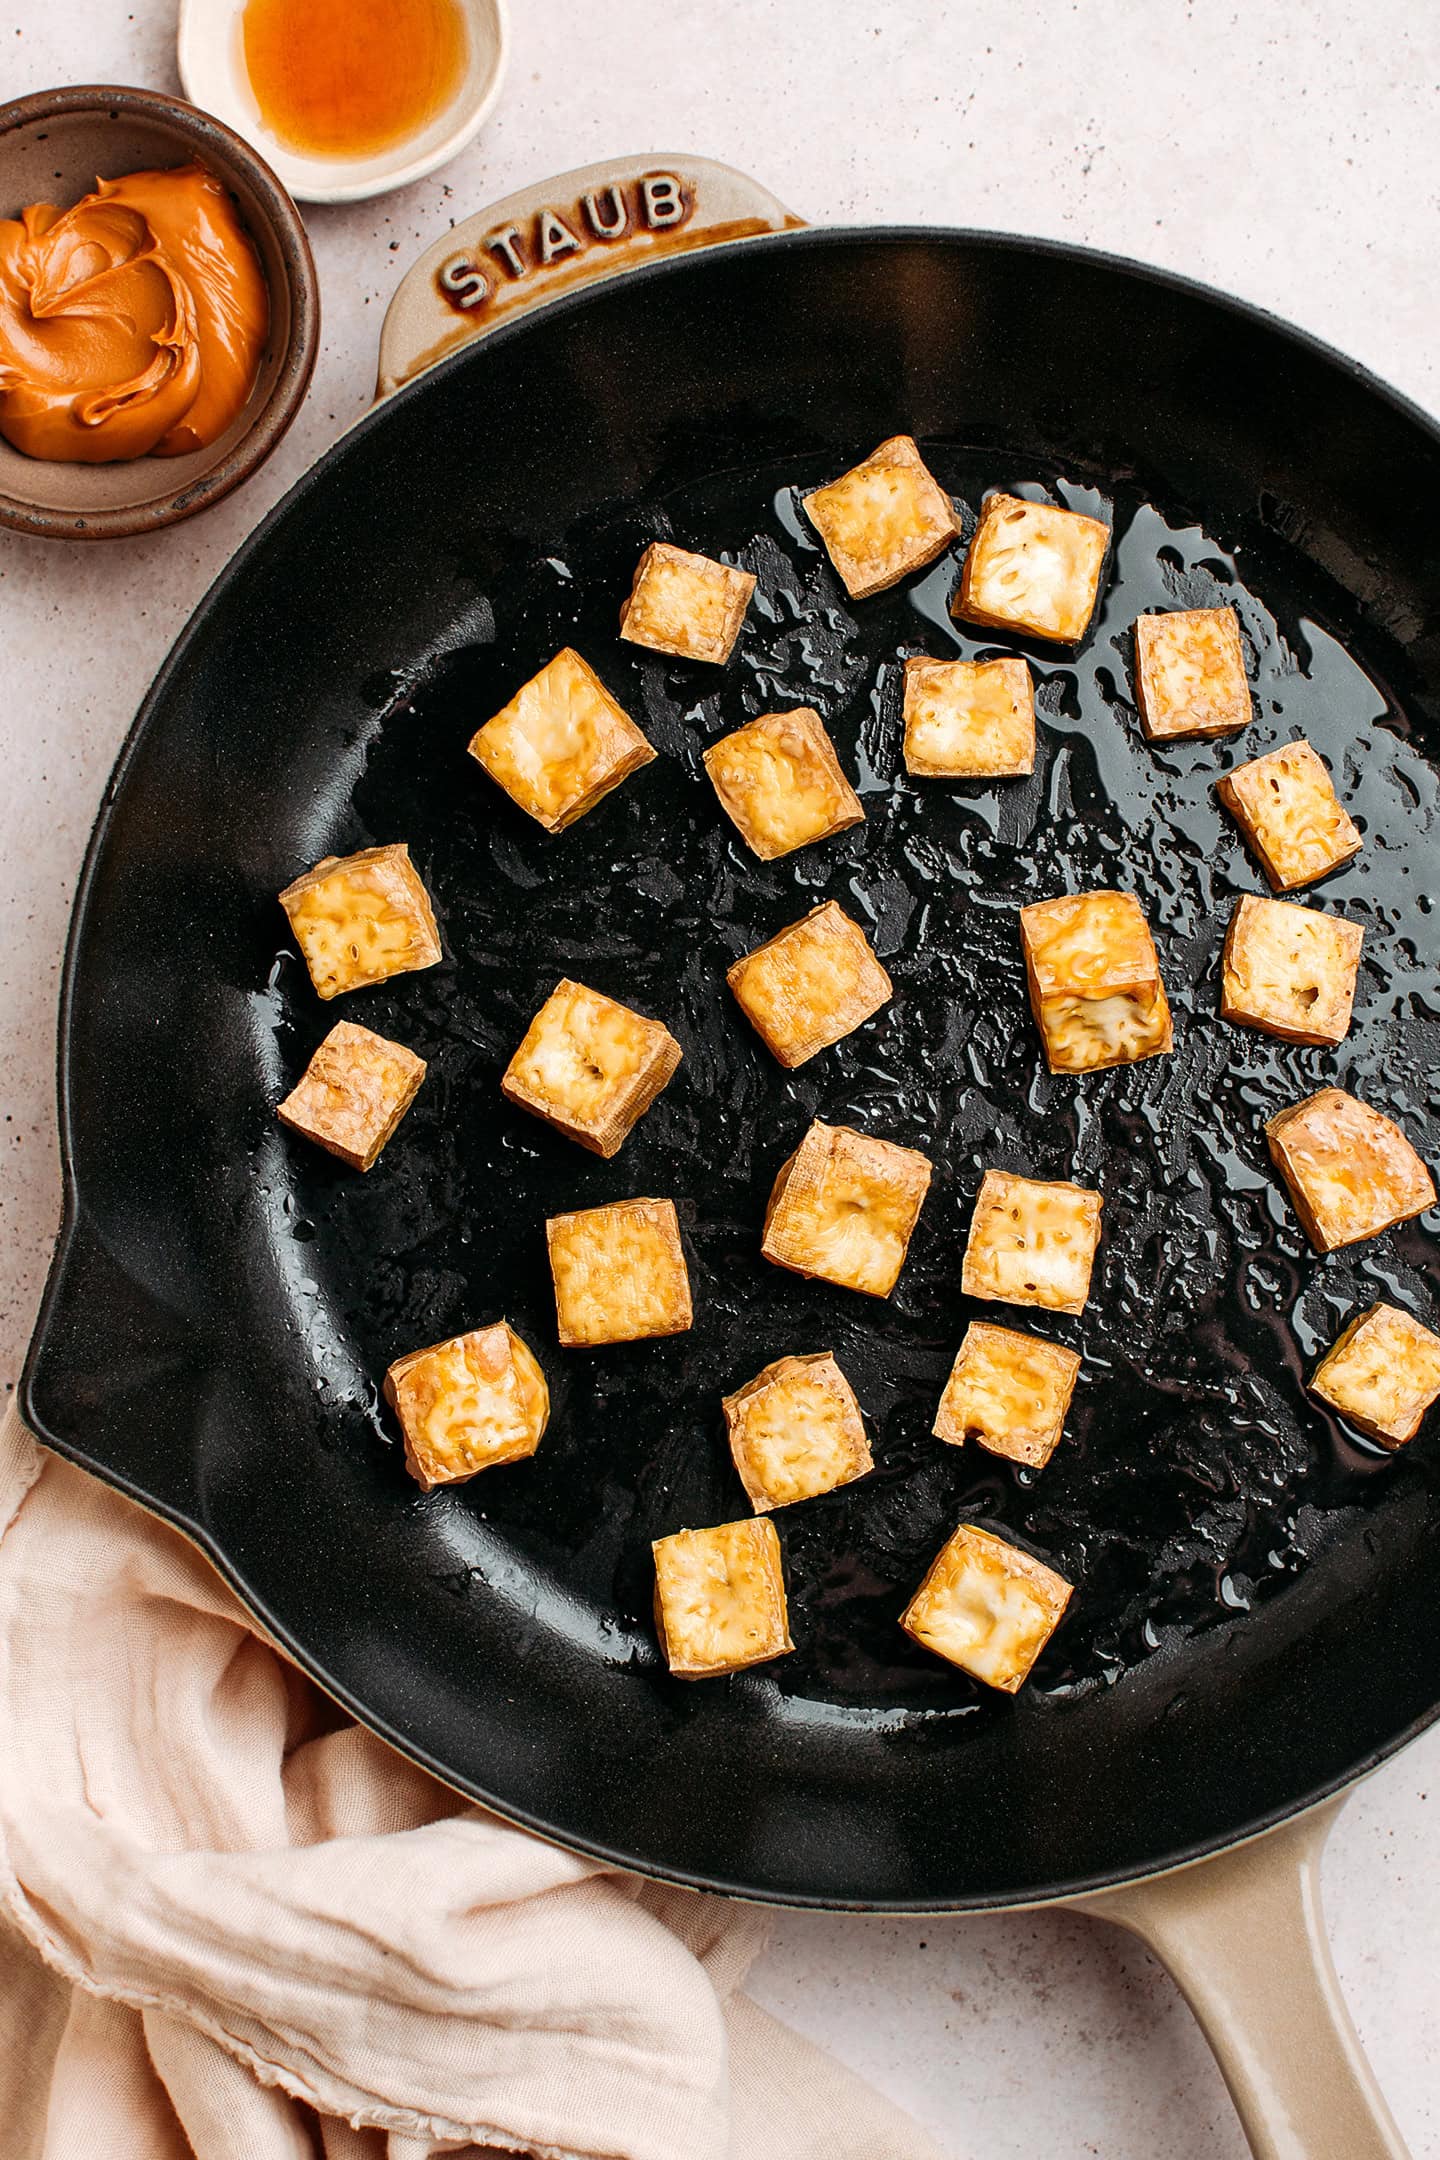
(1255, 1621)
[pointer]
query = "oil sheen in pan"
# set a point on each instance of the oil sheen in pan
(1195, 1479)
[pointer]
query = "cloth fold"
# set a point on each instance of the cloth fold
(236, 1926)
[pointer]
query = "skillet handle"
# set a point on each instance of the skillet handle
(1243, 1936)
(558, 236)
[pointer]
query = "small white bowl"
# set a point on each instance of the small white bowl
(212, 68)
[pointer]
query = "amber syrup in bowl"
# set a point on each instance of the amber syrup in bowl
(346, 98)
(349, 78)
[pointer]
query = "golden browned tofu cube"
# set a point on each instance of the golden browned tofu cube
(353, 1093)
(589, 1066)
(780, 783)
(1033, 568)
(685, 604)
(810, 985)
(561, 744)
(1008, 1391)
(1286, 806)
(1190, 674)
(796, 1431)
(468, 1404)
(987, 1607)
(619, 1273)
(720, 1598)
(1382, 1375)
(843, 1208)
(359, 919)
(1032, 1243)
(1351, 1171)
(1290, 970)
(883, 518)
(969, 719)
(1094, 978)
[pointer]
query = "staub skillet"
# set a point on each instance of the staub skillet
(1256, 1624)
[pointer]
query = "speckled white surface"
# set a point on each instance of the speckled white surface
(1289, 152)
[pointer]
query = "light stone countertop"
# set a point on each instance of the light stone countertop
(1286, 150)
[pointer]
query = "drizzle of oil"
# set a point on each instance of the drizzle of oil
(1196, 1479)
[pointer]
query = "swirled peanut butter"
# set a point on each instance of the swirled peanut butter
(132, 324)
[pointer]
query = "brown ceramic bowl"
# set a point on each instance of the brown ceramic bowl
(53, 146)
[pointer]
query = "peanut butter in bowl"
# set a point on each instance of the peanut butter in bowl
(132, 324)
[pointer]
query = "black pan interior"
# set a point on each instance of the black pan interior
(1255, 1584)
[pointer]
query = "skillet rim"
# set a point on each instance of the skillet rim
(819, 238)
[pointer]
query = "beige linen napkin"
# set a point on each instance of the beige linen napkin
(235, 1925)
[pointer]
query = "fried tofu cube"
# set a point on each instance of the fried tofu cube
(720, 1598)
(619, 1273)
(969, 719)
(883, 518)
(1382, 1375)
(987, 1607)
(1350, 1170)
(810, 985)
(1094, 978)
(1031, 1243)
(359, 919)
(353, 1093)
(779, 781)
(1033, 568)
(1290, 970)
(1010, 1392)
(1286, 806)
(561, 744)
(796, 1431)
(467, 1404)
(843, 1208)
(685, 604)
(1190, 674)
(590, 1066)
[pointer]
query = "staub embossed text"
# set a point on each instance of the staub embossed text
(655, 202)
